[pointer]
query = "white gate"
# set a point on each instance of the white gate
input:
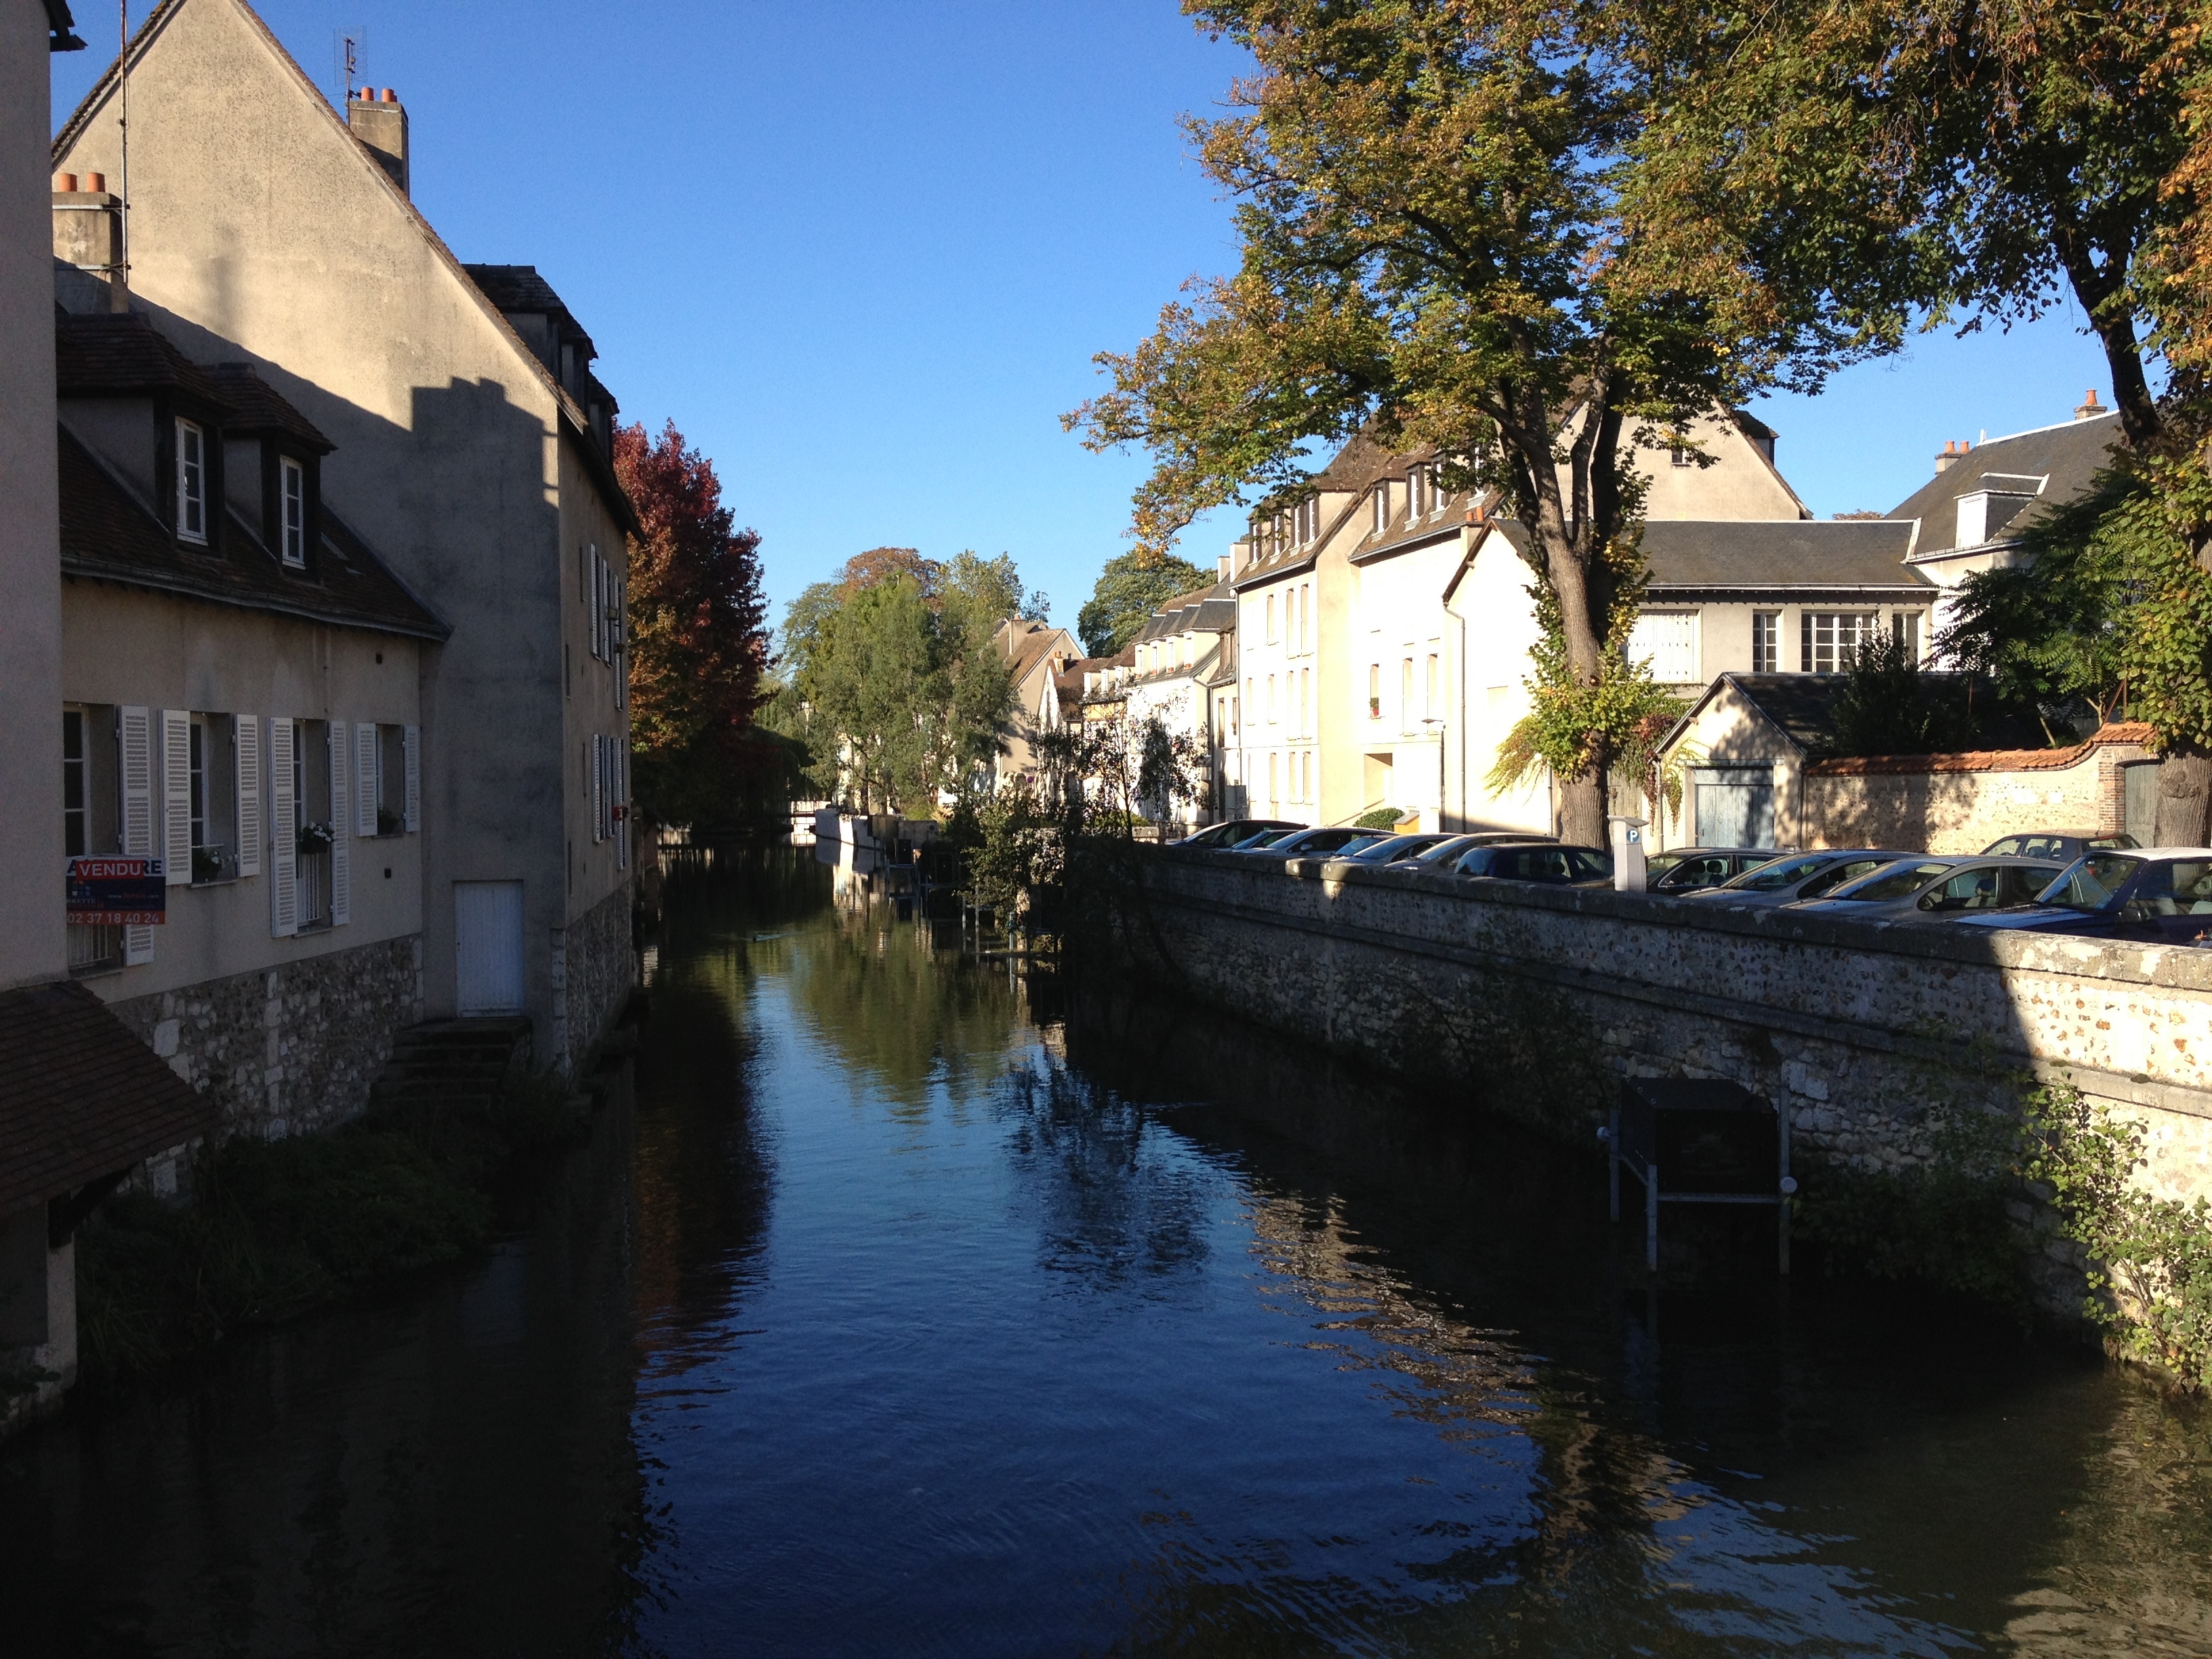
(488, 947)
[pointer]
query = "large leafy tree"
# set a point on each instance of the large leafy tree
(1130, 588)
(901, 691)
(2012, 156)
(1451, 236)
(697, 641)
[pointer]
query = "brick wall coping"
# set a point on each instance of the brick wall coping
(1985, 760)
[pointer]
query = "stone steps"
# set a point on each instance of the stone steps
(453, 1062)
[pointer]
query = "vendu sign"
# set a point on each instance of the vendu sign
(115, 891)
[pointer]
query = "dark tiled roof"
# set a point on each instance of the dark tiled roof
(520, 288)
(116, 356)
(1803, 706)
(109, 535)
(1774, 554)
(80, 1097)
(1029, 648)
(257, 409)
(2066, 456)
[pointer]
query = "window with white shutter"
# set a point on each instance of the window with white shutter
(134, 731)
(252, 830)
(341, 824)
(365, 792)
(1667, 640)
(283, 831)
(191, 483)
(177, 794)
(411, 746)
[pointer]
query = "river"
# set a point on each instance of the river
(920, 1307)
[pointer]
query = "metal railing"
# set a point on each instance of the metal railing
(91, 949)
(311, 889)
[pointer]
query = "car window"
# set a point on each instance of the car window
(2111, 843)
(1970, 890)
(2003, 846)
(1843, 870)
(1775, 873)
(1445, 849)
(2043, 846)
(2090, 885)
(2193, 886)
(1537, 863)
(1590, 866)
(2153, 896)
(2019, 883)
(1703, 871)
(1901, 883)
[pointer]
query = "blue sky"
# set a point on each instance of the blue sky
(863, 253)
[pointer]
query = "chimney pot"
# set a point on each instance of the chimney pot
(1950, 455)
(2090, 408)
(65, 182)
(390, 96)
(95, 184)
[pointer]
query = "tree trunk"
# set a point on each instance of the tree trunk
(2185, 800)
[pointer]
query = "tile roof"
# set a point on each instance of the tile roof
(257, 409)
(1802, 708)
(2066, 456)
(109, 535)
(1030, 648)
(80, 1097)
(1777, 554)
(116, 356)
(520, 288)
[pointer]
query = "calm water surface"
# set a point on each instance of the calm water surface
(917, 1310)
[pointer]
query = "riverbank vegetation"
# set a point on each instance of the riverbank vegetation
(272, 1230)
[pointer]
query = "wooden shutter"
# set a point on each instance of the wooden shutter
(284, 833)
(341, 828)
(410, 743)
(252, 830)
(177, 794)
(621, 799)
(598, 606)
(365, 792)
(135, 738)
(598, 789)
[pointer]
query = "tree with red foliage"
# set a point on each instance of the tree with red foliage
(698, 641)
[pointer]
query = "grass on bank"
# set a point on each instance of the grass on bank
(273, 1229)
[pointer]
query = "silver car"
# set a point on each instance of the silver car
(1392, 849)
(1798, 876)
(1937, 888)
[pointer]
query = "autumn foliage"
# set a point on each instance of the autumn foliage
(698, 638)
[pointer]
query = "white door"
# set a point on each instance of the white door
(487, 945)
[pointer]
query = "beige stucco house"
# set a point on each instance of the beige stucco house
(1034, 652)
(469, 447)
(1182, 675)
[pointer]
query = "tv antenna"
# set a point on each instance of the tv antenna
(347, 46)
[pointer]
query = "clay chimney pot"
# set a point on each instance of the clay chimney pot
(93, 184)
(65, 182)
(390, 96)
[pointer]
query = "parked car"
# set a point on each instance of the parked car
(1235, 832)
(1799, 876)
(1395, 849)
(2160, 896)
(1265, 838)
(1687, 869)
(1937, 888)
(1311, 843)
(1553, 864)
(2065, 848)
(1444, 852)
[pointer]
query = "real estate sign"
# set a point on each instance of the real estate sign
(118, 890)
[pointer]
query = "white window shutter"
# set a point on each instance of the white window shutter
(177, 794)
(411, 743)
(252, 831)
(135, 738)
(284, 833)
(366, 794)
(341, 828)
(622, 800)
(598, 789)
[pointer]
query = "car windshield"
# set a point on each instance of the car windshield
(1901, 883)
(1446, 849)
(1590, 865)
(2090, 885)
(1836, 875)
(2112, 843)
(1775, 873)
(1265, 838)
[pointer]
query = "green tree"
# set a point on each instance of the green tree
(1130, 588)
(1452, 236)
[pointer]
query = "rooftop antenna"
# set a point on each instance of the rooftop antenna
(346, 46)
(123, 171)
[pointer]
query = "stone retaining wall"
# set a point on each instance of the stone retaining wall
(1542, 999)
(595, 967)
(284, 1050)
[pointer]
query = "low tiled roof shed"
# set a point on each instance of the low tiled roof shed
(81, 1098)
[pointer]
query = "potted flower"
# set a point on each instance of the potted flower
(314, 838)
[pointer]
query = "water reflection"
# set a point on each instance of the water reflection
(937, 1311)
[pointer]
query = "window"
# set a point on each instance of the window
(1828, 640)
(191, 483)
(1381, 507)
(197, 744)
(1374, 690)
(292, 487)
(1406, 694)
(1275, 793)
(1766, 642)
(1430, 705)
(1905, 626)
(76, 790)
(1270, 618)
(1416, 491)
(1667, 639)
(1271, 699)
(391, 796)
(1681, 454)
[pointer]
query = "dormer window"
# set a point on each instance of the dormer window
(191, 483)
(292, 509)
(1416, 491)
(1381, 507)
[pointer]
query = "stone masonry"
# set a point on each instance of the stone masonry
(1542, 999)
(289, 1050)
(595, 967)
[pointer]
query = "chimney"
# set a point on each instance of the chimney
(88, 231)
(1221, 568)
(2090, 407)
(381, 124)
(1952, 453)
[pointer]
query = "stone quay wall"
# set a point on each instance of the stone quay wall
(290, 1050)
(595, 969)
(1541, 999)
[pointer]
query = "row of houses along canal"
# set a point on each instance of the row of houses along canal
(924, 1304)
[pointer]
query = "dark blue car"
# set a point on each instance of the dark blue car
(2162, 895)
